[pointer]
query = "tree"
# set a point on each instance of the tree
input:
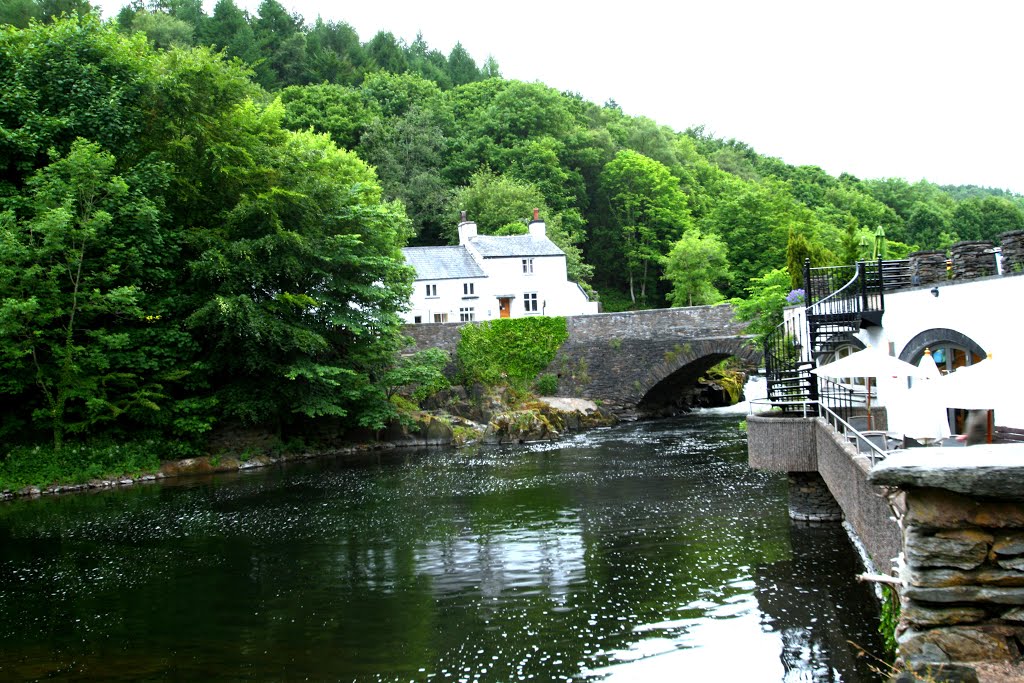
(648, 211)
(503, 205)
(163, 30)
(64, 292)
(766, 297)
(282, 44)
(303, 283)
(386, 53)
(800, 249)
(408, 153)
(694, 266)
(340, 111)
(18, 13)
(333, 54)
(461, 67)
(229, 30)
(930, 226)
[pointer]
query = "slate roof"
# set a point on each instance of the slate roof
(442, 263)
(491, 246)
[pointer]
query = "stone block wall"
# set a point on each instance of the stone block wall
(927, 267)
(810, 500)
(963, 542)
(1012, 244)
(973, 260)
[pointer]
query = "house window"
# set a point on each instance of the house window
(528, 266)
(467, 289)
(530, 302)
(466, 315)
(417, 319)
(431, 290)
(440, 317)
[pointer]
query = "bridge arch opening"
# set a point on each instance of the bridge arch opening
(681, 389)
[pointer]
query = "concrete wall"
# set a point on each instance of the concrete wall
(864, 506)
(782, 444)
(809, 444)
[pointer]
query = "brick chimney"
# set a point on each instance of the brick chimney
(537, 226)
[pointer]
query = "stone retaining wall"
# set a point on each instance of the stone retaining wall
(810, 499)
(963, 584)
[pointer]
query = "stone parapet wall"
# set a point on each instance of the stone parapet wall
(927, 267)
(963, 537)
(658, 323)
(973, 260)
(1013, 252)
(443, 336)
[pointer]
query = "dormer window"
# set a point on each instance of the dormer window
(527, 266)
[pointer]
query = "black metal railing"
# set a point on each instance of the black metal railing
(837, 301)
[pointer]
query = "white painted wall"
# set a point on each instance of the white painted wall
(556, 295)
(990, 311)
(449, 300)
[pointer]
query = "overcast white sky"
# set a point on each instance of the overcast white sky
(894, 88)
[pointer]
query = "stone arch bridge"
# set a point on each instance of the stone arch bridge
(635, 362)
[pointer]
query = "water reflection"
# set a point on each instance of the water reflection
(633, 553)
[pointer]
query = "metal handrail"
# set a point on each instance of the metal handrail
(833, 420)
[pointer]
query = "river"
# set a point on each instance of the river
(642, 552)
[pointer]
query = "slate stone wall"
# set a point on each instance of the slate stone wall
(963, 537)
(973, 260)
(927, 267)
(810, 500)
(1013, 252)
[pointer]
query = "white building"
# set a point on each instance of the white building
(487, 277)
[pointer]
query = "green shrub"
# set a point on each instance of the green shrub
(510, 351)
(547, 384)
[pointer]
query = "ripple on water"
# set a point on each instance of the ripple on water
(621, 554)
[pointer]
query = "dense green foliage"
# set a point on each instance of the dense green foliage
(510, 350)
(201, 215)
(171, 256)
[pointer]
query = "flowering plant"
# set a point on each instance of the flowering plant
(797, 296)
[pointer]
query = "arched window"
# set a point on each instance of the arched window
(951, 350)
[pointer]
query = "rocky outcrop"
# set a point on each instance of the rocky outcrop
(544, 420)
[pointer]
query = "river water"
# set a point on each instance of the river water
(643, 552)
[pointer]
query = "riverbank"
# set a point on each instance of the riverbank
(238, 449)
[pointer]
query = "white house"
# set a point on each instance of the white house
(487, 277)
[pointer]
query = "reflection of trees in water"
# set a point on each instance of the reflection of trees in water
(496, 565)
(816, 605)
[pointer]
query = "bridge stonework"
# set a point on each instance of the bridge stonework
(635, 361)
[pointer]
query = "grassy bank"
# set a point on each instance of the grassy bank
(43, 465)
